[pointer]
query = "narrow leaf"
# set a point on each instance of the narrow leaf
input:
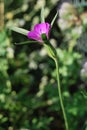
(54, 19)
(26, 42)
(20, 30)
(42, 15)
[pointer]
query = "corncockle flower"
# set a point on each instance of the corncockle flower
(40, 33)
(39, 29)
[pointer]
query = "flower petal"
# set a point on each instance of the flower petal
(48, 27)
(33, 35)
(42, 28)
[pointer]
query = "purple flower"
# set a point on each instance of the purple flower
(39, 29)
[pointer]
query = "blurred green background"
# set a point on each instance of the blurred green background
(28, 87)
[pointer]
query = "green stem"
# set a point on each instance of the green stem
(52, 53)
(60, 94)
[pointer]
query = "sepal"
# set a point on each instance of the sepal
(26, 42)
(50, 49)
(20, 30)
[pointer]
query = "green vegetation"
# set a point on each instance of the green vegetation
(28, 87)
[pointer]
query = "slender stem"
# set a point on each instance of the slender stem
(53, 54)
(60, 94)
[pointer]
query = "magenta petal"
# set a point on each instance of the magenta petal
(38, 30)
(33, 35)
(42, 28)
